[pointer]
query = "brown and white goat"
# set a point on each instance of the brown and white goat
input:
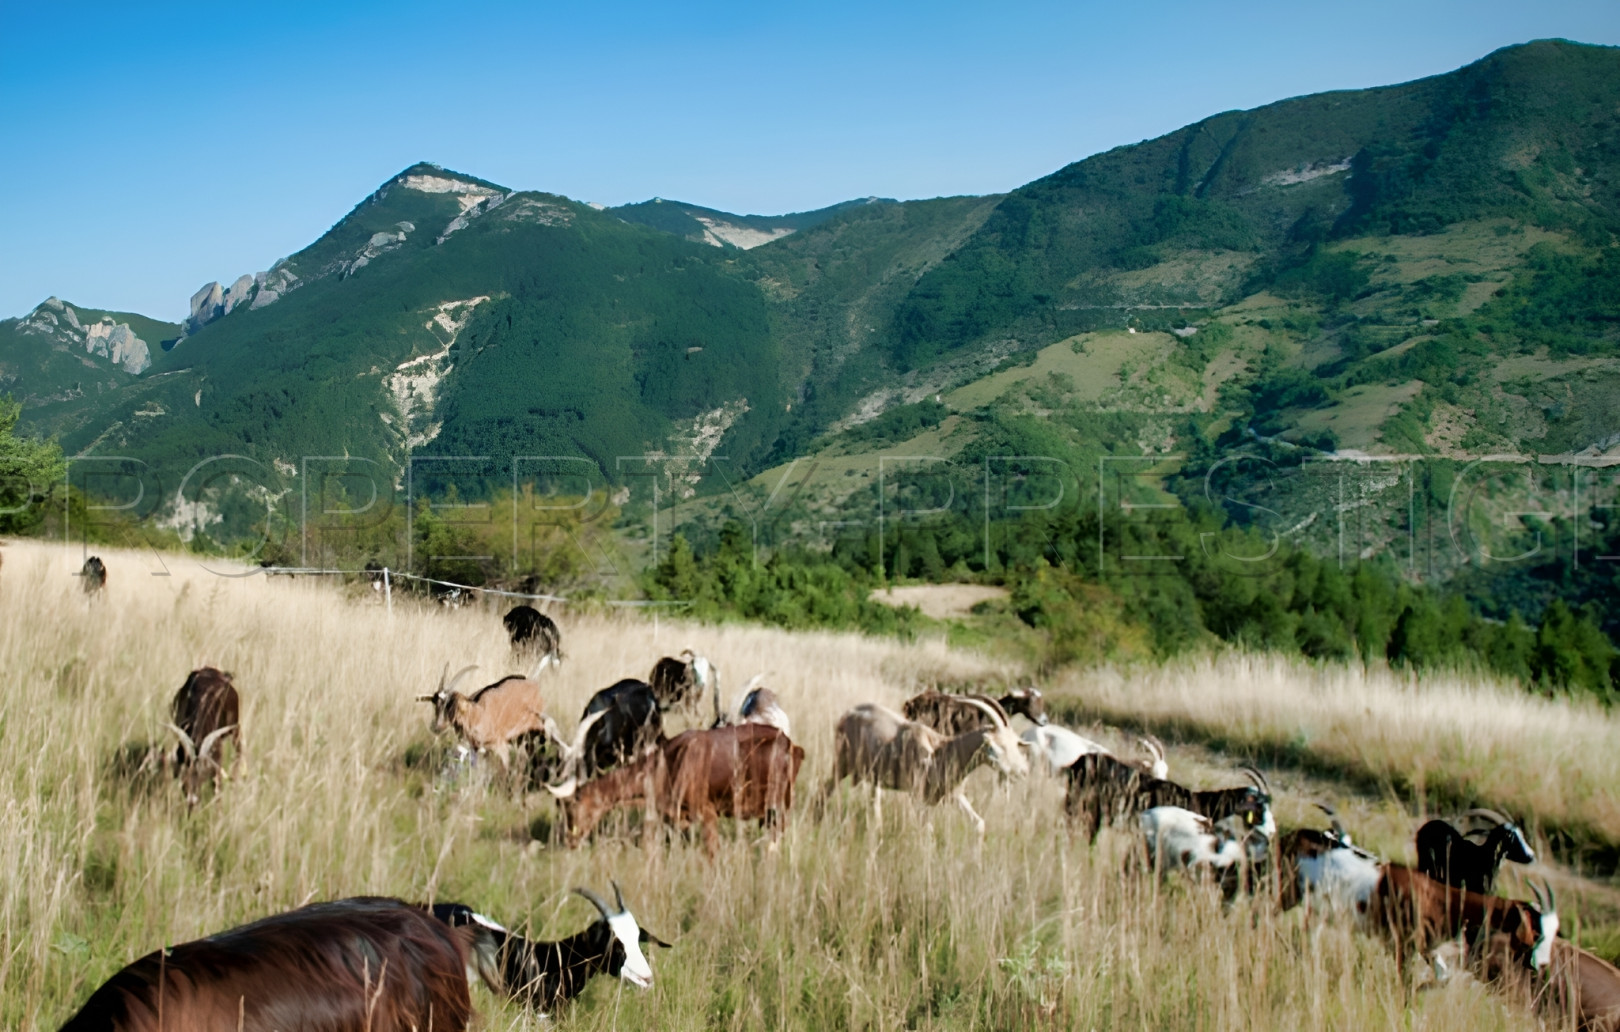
(494, 717)
(1578, 987)
(205, 711)
(877, 745)
(1406, 906)
(745, 772)
(1416, 911)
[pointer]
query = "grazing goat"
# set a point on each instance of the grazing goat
(1446, 855)
(94, 572)
(353, 965)
(878, 745)
(205, 711)
(545, 975)
(495, 716)
(680, 684)
(744, 772)
(952, 715)
(533, 632)
(1578, 987)
(1178, 838)
(1103, 789)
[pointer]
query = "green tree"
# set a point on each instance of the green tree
(29, 469)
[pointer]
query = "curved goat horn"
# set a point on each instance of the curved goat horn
(618, 896)
(463, 672)
(1333, 819)
(598, 901)
(564, 790)
(1546, 901)
(186, 743)
(1154, 747)
(1257, 777)
(208, 741)
(1490, 815)
(997, 717)
(584, 729)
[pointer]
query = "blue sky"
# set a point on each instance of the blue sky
(152, 147)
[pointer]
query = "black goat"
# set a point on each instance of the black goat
(206, 711)
(1446, 855)
(1103, 789)
(533, 632)
(630, 723)
(94, 572)
(546, 974)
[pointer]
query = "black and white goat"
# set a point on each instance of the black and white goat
(1447, 855)
(547, 974)
(756, 705)
(1103, 789)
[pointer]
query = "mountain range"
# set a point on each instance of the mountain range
(1426, 268)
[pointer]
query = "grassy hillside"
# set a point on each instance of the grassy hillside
(1418, 270)
(854, 922)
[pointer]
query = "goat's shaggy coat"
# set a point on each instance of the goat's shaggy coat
(533, 632)
(206, 711)
(354, 965)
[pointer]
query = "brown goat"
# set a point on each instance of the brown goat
(354, 965)
(745, 772)
(1578, 985)
(953, 715)
(206, 711)
(1416, 911)
(494, 717)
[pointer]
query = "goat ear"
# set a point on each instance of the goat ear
(647, 936)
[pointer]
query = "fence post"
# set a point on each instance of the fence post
(388, 591)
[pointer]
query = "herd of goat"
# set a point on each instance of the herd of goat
(386, 964)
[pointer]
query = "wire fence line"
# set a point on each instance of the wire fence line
(389, 575)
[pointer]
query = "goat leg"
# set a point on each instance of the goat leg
(967, 808)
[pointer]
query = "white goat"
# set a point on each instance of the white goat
(1178, 838)
(878, 745)
(1060, 747)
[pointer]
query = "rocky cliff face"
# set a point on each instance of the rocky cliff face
(257, 290)
(115, 341)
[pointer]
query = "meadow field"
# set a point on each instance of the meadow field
(911, 925)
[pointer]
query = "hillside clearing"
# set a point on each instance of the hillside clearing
(908, 925)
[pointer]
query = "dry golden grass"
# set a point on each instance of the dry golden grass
(911, 925)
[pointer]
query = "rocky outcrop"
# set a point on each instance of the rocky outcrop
(379, 244)
(106, 338)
